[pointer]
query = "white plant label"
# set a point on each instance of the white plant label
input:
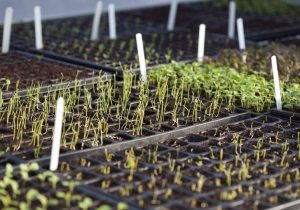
(97, 20)
(276, 83)
(201, 42)
(231, 19)
(241, 34)
(112, 21)
(38, 28)
(172, 15)
(141, 54)
(57, 134)
(7, 29)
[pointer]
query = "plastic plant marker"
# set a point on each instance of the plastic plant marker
(141, 54)
(112, 21)
(57, 134)
(97, 20)
(201, 42)
(276, 83)
(241, 34)
(38, 28)
(7, 29)
(172, 15)
(231, 19)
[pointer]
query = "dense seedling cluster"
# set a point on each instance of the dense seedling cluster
(234, 88)
(257, 61)
(101, 113)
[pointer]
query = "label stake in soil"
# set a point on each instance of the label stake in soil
(57, 134)
(141, 54)
(231, 19)
(97, 20)
(276, 83)
(112, 21)
(7, 29)
(172, 15)
(201, 42)
(241, 34)
(38, 28)
(241, 37)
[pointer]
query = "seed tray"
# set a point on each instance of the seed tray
(291, 40)
(23, 93)
(256, 62)
(34, 188)
(113, 140)
(122, 53)
(287, 113)
(183, 14)
(255, 160)
(103, 113)
(261, 29)
(80, 27)
(257, 27)
(152, 137)
(24, 70)
(187, 15)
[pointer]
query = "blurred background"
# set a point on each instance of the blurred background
(23, 9)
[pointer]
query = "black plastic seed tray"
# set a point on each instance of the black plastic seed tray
(253, 161)
(290, 40)
(20, 70)
(80, 27)
(102, 112)
(7, 158)
(295, 114)
(257, 27)
(122, 53)
(117, 138)
(121, 140)
(32, 187)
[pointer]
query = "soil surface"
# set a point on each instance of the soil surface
(31, 71)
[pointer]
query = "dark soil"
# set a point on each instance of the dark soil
(33, 71)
